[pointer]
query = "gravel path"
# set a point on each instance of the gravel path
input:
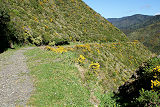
(15, 84)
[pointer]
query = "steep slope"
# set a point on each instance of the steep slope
(99, 61)
(82, 74)
(44, 21)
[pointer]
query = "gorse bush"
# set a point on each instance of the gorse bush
(94, 66)
(100, 65)
(57, 50)
(149, 98)
(145, 89)
(43, 21)
(81, 59)
(155, 83)
(108, 100)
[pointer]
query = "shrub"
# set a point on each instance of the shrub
(81, 59)
(94, 66)
(52, 43)
(108, 100)
(8, 32)
(148, 98)
(46, 38)
(37, 41)
(155, 82)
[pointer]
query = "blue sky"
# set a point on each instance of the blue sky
(121, 8)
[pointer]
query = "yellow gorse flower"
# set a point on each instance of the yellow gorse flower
(51, 20)
(35, 19)
(57, 50)
(94, 66)
(157, 68)
(86, 46)
(155, 84)
(98, 50)
(81, 59)
(40, 3)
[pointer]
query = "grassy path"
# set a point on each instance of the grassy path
(15, 83)
(57, 80)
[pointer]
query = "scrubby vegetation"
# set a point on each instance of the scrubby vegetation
(43, 22)
(143, 87)
(101, 72)
(149, 36)
(86, 59)
(7, 31)
(129, 23)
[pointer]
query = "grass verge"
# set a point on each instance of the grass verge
(57, 79)
(4, 56)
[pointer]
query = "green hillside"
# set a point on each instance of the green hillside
(43, 21)
(83, 74)
(130, 23)
(95, 60)
(141, 27)
(149, 36)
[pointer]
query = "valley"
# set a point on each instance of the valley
(141, 27)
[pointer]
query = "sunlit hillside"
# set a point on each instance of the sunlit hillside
(73, 55)
(46, 21)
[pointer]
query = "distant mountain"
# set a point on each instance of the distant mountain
(149, 36)
(144, 28)
(131, 20)
(130, 23)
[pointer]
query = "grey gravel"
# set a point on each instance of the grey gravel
(15, 83)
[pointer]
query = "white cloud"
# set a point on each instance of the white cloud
(157, 13)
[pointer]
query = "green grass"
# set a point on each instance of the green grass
(5, 55)
(117, 62)
(57, 80)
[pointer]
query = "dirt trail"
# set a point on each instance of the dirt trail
(15, 83)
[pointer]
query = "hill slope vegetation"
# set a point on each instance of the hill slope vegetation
(149, 36)
(97, 60)
(141, 27)
(130, 23)
(47, 21)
